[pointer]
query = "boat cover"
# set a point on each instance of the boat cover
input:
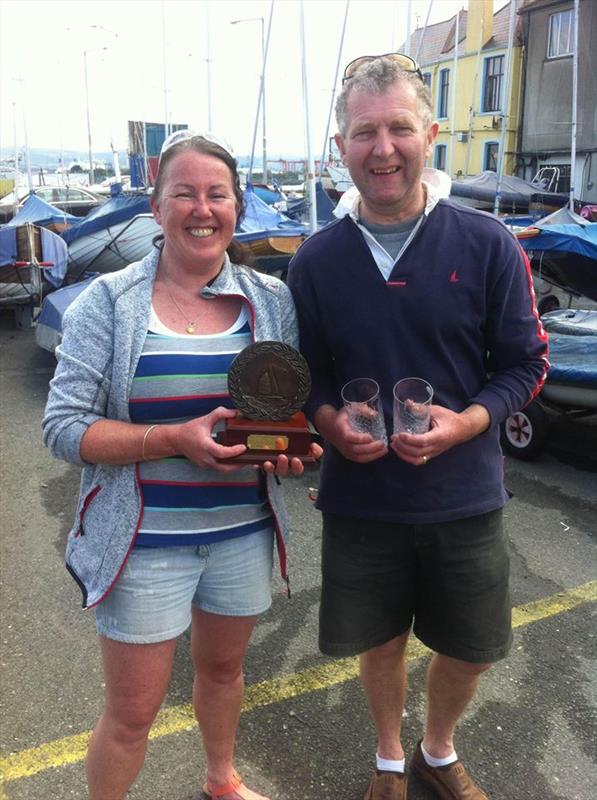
(41, 213)
(325, 206)
(48, 331)
(573, 359)
(569, 238)
(563, 216)
(53, 250)
(269, 196)
(261, 220)
(482, 187)
(117, 209)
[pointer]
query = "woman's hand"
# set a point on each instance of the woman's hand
(283, 466)
(194, 440)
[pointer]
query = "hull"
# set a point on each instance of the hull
(562, 394)
(113, 248)
(568, 271)
(275, 245)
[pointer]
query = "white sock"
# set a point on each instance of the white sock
(438, 762)
(389, 764)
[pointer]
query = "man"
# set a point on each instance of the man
(409, 283)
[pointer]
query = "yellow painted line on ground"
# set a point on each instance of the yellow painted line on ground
(72, 749)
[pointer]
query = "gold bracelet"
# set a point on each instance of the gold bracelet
(145, 435)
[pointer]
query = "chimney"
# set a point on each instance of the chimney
(479, 24)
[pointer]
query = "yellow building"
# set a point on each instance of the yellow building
(468, 86)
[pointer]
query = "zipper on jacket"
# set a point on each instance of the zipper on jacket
(86, 503)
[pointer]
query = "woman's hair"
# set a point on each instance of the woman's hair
(376, 77)
(238, 253)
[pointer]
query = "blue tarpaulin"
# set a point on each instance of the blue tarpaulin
(48, 331)
(569, 238)
(573, 359)
(36, 210)
(53, 250)
(117, 209)
(261, 220)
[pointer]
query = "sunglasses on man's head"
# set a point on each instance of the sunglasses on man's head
(407, 63)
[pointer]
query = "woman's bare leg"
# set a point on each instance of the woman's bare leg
(136, 677)
(219, 644)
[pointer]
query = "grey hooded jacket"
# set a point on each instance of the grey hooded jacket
(104, 331)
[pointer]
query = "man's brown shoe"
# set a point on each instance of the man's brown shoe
(387, 786)
(451, 782)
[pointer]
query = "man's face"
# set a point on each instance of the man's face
(385, 148)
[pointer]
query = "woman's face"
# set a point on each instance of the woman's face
(197, 210)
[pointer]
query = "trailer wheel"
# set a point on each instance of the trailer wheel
(547, 304)
(524, 433)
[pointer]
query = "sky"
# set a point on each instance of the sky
(134, 49)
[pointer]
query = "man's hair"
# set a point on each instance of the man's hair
(376, 77)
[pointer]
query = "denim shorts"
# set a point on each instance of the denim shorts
(152, 598)
(448, 580)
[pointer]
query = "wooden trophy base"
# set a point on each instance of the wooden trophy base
(266, 440)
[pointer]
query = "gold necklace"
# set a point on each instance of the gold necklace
(190, 328)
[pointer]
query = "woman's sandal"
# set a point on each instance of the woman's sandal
(234, 786)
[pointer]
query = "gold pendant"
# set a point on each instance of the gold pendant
(190, 328)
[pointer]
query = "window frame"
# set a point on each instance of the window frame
(498, 94)
(442, 149)
(443, 87)
(551, 39)
(486, 151)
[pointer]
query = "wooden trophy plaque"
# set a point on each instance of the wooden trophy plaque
(269, 382)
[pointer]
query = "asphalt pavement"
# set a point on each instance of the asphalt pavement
(304, 734)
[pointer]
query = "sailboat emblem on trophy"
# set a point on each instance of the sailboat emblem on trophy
(269, 382)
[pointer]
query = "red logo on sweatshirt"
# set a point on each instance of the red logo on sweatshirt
(453, 277)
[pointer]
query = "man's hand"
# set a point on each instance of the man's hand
(334, 426)
(448, 429)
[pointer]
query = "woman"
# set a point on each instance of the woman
(169, 531)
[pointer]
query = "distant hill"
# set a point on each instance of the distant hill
(49, 159)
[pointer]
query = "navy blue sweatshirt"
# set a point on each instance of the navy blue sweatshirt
(458, 311)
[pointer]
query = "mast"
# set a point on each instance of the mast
(333, 94)
(574, 104)
(166, 119)
(453, 113)
(260, 99)
(208, 60)
(409, 9)
(506, 101)
(310, 165)
(473, 100)
(422, 36)
(17, 174)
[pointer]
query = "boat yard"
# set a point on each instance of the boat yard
(536, 709)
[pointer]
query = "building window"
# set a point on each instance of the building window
(559, 40)
(427, 79)
(442, 93)
(492, 83)
(490, 156)
(439, 159)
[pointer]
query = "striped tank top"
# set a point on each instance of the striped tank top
(180, 377)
